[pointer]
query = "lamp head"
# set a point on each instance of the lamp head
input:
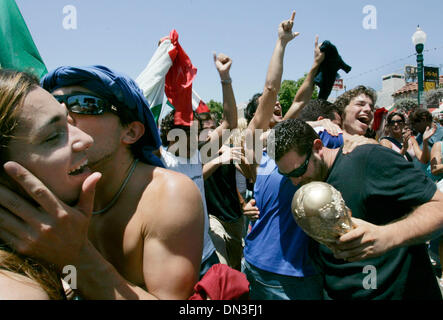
(419, 37)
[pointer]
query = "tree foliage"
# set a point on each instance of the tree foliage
(288, 90)
(406, 104)
(216, 107)
(433, 97)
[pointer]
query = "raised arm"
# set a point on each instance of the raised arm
(305, 91)
(268, 99)
(223, 64)
(422, 154)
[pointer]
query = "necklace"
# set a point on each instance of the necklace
(110, 204)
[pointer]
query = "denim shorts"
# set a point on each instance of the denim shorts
(265, 285)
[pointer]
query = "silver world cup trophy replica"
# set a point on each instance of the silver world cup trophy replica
(319, 209)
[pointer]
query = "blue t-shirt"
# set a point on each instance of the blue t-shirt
(276, 243)
(329, 141)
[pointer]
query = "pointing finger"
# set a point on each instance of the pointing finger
(293, 16)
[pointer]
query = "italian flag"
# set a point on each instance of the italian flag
(17, 49)
(166, 83)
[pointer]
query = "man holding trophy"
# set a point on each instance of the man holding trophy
(395, 208)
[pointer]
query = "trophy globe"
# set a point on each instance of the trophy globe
(319, 209)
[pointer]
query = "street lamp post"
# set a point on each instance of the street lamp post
(419, 39)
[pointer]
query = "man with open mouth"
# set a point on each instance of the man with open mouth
(357, 109)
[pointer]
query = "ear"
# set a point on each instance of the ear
(317, 145)
(132, 132)
(320, 118)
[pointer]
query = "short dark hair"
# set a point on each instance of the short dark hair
(318, 108)
(292, 134)
(252, 107)
(419, 114)
(343, 100)
(168, 124)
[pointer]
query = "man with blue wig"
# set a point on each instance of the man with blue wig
(144, 237)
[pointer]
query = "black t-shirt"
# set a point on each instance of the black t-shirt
(221, 194)
(379, 186)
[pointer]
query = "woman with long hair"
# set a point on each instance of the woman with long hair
(400, 139)
(36, 133)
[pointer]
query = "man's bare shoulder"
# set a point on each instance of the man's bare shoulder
(161, 179)
(170, 198)
(18, 287)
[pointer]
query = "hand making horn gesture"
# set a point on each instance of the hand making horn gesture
(285, 33)
(319, 56)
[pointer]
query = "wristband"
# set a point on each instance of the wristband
(227, 81)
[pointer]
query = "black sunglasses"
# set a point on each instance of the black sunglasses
(85, 103)
(298, 172)
(392, 122)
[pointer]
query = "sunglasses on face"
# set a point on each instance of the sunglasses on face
(85, 103)
(392, 122)
(298, 172)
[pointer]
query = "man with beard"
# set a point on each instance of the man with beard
(394, 206)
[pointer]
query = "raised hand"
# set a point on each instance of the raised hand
(285, 33)
(429, 132)
(53, 232)
(230, 154)
(405, 139)
(319, 56)
(223, 64)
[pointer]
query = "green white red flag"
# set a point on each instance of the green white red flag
(167, 80)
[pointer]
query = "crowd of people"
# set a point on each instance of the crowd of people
(90, 180)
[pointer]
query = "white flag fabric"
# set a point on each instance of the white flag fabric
(152, 81)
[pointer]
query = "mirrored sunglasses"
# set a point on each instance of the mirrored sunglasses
(85, 103)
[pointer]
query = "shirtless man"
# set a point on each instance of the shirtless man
(141, 241)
